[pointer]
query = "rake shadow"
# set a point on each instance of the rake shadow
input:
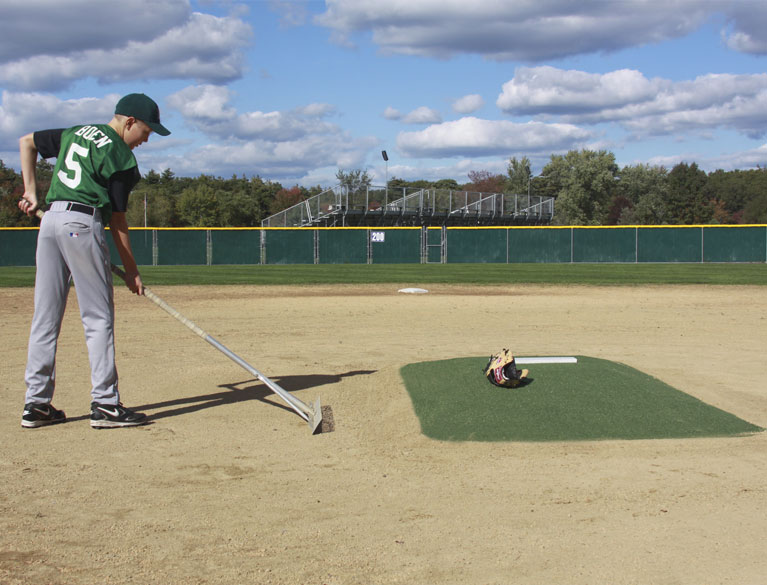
(243, 391)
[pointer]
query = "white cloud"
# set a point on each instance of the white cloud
(53, 27)
(532, 31)
(457, 170)
(477, 137)
(468, 104)
(207, 109)
(208, 103)
(738, 160)
(645, 107)
(748, 159)
(316, 110)
(21, 113)
(747, 32)
(277, 144)
(423, 115)
(548, 90)
(291, 159)
(202, 47)
(392, 113)
(292, 13)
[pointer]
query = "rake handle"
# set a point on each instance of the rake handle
(296, 404)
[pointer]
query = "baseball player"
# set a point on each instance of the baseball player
(94, 174)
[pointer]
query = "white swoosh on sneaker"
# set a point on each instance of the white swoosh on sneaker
(115, 413)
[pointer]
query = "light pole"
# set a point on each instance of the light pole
(386, 160)
(529, 183)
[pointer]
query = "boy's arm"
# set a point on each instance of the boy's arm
(120, 234)
(28, 153)
(45, 142)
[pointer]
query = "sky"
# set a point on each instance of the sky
(293, 91)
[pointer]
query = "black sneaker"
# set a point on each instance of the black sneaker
(108, 416)
(38, 415)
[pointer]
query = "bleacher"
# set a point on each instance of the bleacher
(379, 206)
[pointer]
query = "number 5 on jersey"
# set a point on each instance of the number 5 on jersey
(73, 166)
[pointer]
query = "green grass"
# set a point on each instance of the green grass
(424, 274)
(591, 400)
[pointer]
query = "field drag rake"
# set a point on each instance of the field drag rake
(311, 414)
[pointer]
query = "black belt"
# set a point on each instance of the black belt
(86, 209)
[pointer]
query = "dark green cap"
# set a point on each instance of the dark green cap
(143, 108)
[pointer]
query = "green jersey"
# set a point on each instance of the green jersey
(89, 155)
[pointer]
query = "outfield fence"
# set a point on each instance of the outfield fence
(392, 245)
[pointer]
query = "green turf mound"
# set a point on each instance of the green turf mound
(592, 400)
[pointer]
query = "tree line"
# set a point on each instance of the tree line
(589, 188)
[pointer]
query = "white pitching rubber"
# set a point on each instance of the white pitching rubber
(546, 360)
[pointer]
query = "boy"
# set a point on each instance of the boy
(94, 174)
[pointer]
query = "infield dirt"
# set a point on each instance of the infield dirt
(227, 486)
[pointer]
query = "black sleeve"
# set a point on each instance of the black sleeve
(48, 142)
(120, 185)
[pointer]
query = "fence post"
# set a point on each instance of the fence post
(636, 244)
(572, 244)
(262, 256)
(443, 246)
(369, 247)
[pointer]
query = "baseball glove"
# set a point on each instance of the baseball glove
(501, 370)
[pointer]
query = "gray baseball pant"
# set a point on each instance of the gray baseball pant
(73, 245)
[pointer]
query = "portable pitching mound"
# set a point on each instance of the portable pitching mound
(563, 399)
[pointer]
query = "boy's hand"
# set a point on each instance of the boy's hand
(28, 203)
(134, 283)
